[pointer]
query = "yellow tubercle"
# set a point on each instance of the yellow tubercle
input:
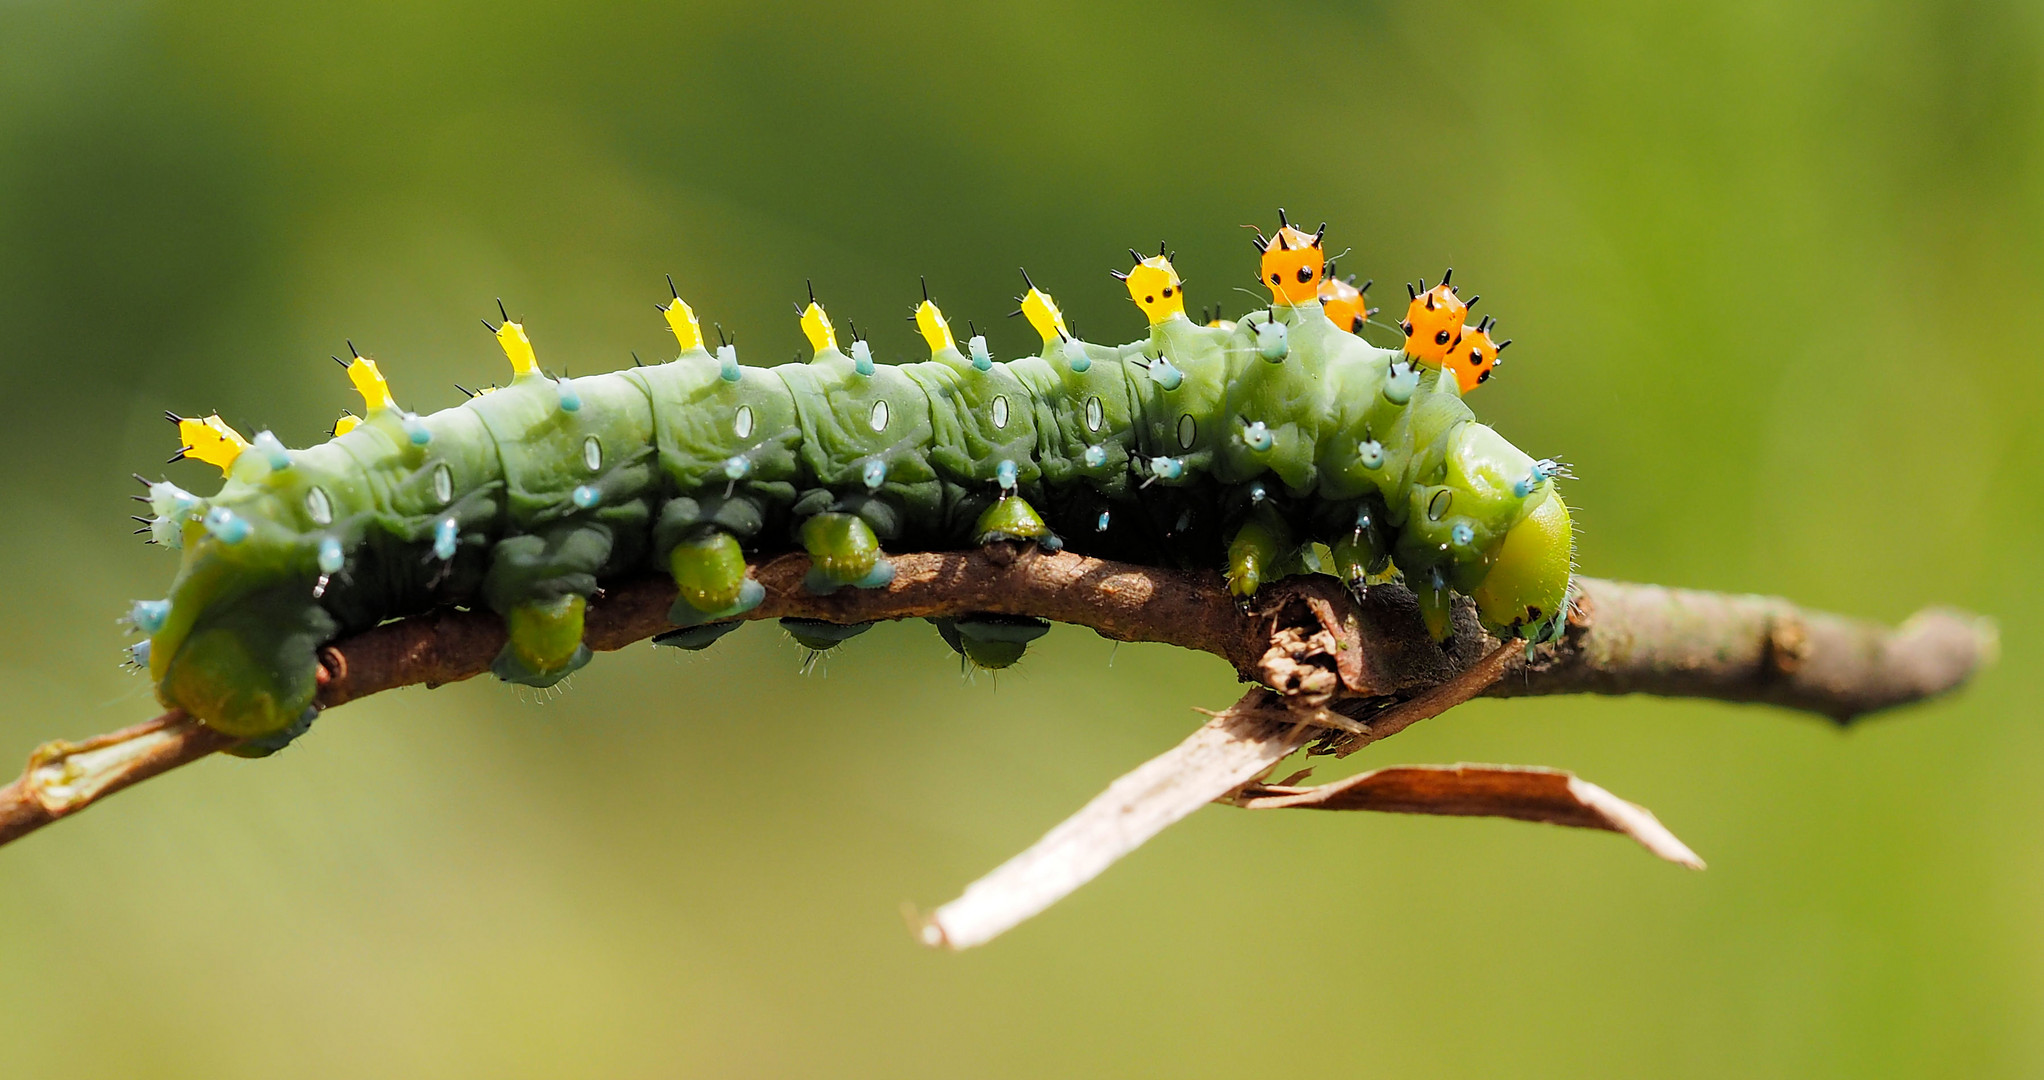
(210, 440)
(348, 422)
(816, 327)
(935, 330)
(682, 320)
(370, 384)
(1042, 313)
(517, 349)
(1155, 287)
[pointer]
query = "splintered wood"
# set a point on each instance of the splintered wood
(1527, 793)
(1222, 762)
(1229, 751)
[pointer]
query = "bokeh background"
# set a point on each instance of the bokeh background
(1774, 271)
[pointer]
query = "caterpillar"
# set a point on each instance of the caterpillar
(1267, 445)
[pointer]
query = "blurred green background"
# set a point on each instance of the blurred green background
(1774, 271)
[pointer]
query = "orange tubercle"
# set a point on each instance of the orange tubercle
(1474, 356)
(1344, 303)
(1432, 323)
(1293, 265)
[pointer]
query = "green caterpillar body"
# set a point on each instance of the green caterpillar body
(1243, 443)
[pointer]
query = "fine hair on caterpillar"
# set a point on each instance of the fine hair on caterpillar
(1266, 445)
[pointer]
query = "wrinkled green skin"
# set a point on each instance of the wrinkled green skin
(237, 649)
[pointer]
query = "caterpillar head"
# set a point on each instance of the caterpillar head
(1525, 593)
(1155, 286)
(1293, 263)
(1433, 321)
(1474, 356)
(1345, 302)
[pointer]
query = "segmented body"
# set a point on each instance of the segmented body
(1242, 443)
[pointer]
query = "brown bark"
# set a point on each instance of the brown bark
(1323, 652)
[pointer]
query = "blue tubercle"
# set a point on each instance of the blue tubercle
(1075, 355)
(226, 526)
(1273, 341)
(149, 615)
(273, 451)
(445, 534)
(1404, 381)
(331, 557)
(1166, 374)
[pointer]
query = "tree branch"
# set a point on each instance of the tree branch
(1341, 670)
